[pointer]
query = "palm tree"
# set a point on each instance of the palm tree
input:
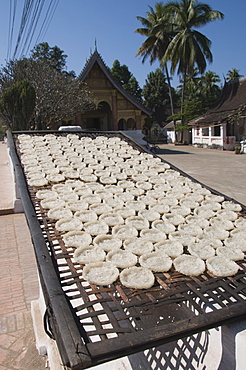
(158, 31)
(208, 84)
(189, 48)
(233, 75)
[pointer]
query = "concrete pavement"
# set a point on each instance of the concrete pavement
(223, 171)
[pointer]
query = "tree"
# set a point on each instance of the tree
(209, 89)
(57, 95)
(233, 75)
(133, 88)
(53, 56)
(121, 72)
(158, 31)
(17, 105)
(188, 47)
(126, 79)
(155, 93)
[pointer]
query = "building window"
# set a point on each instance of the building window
(217, 130)
(205, 131)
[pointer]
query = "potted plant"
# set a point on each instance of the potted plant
(237, 149)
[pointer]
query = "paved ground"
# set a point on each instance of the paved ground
(18, 282)
(223, 171)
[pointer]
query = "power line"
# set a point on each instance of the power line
(31, 16)
(12, 13)
(48, 18)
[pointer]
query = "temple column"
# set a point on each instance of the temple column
(138, 120)
(114, 110)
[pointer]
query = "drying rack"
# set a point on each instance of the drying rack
(93, 324)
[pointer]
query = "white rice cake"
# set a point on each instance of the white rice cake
(189, 265)
(222, 266)
(100, 273)
(137, 277)
(156, 261)
(122, 258)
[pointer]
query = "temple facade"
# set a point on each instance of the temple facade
(116, 108)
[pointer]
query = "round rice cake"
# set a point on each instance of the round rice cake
(156, 261)
(190, 229)
(206, 240)
(138, 222)
(100, 273)
(189, 265)
(221, 223)
(59, 212)
(68, 224)
(100, 208)
(86, 216)
(171, 248)
(88, 254)
(77, 238)
(137, 277)
(153, 235)
(184, 239)
(160, 208)
(96, 227)
(228, 205)
(122, 258)
(216, 233)
(164, 226)
(52, 203)
(39, 182)
(174, 219)
(76, 206)
(200, 250)
(112, 219)
(149, 214)
(222, 266)
(55, 178)
(138, 246)
(234, 254)
(107, 242)
(125, 212)
(240, 223)
(124, 232)
(46, 194)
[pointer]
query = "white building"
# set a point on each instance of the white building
(224, 126)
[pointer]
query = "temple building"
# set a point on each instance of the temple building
(116, 108)
(224, 126)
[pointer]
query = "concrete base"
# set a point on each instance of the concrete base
(45, 345)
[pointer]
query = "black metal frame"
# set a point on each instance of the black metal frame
(62, 323)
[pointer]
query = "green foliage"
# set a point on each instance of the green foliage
(233, 75)
(121, 72)
(53, 56)
(57, 95)
(155, 90)
(17, 105)
(126, 79)
(133, 88)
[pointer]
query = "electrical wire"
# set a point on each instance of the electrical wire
(12, 13)
(24, 19)
(31, 17)
(47, 20)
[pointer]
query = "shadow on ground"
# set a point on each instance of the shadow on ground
(169, 151)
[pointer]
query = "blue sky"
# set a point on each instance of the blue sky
(77, 23)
